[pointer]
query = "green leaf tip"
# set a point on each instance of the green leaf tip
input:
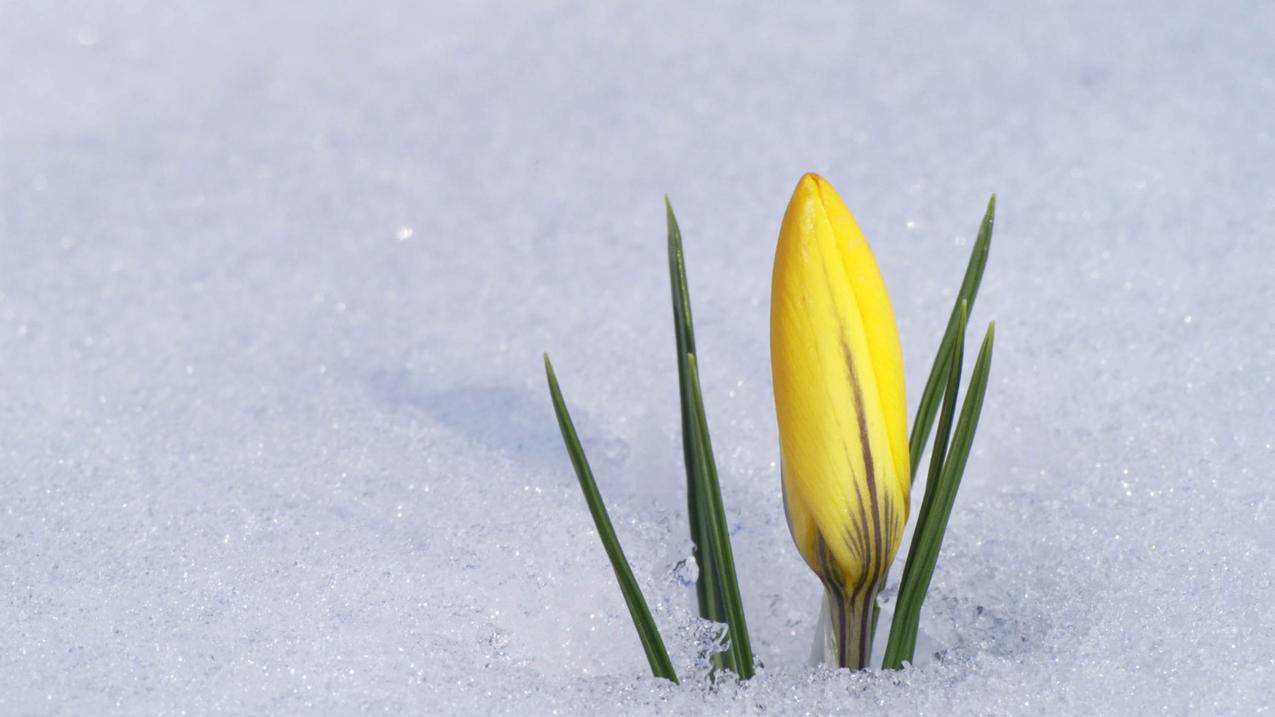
(716, 588)
(928, 406)
(648, 633)
(708, 594)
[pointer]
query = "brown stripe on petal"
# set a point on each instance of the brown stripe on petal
(828, 571)
(869, 466)
(854, 544)
(855, 538)
(860, 526)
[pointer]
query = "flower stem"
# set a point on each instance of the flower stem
(847, 631)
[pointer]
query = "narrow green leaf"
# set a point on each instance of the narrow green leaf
(929, 403)
(903, 628)
(951, 376)
(656, 655)
(707, 590)
(947, 415)
(740, 647)
(932, 524)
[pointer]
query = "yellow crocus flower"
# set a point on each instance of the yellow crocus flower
(838, 377)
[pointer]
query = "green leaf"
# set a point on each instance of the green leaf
(929, 403)
(740, 647)
(656, 655)
(716, 588)
(707, 587)
(903, 628)
(941, 487)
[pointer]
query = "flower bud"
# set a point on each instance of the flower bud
(838, 377)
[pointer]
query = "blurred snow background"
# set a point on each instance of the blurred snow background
(275, 279)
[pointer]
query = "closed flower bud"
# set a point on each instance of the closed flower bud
(838, 378)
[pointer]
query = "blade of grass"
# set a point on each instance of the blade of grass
(707, 588)
(740, 646)
(656, 655)
(930, 396)
(932, 525)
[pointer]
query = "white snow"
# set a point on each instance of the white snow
(275, 278)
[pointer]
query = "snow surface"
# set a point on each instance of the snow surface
(275, 279)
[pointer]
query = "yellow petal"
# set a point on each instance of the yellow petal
(838, 379)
